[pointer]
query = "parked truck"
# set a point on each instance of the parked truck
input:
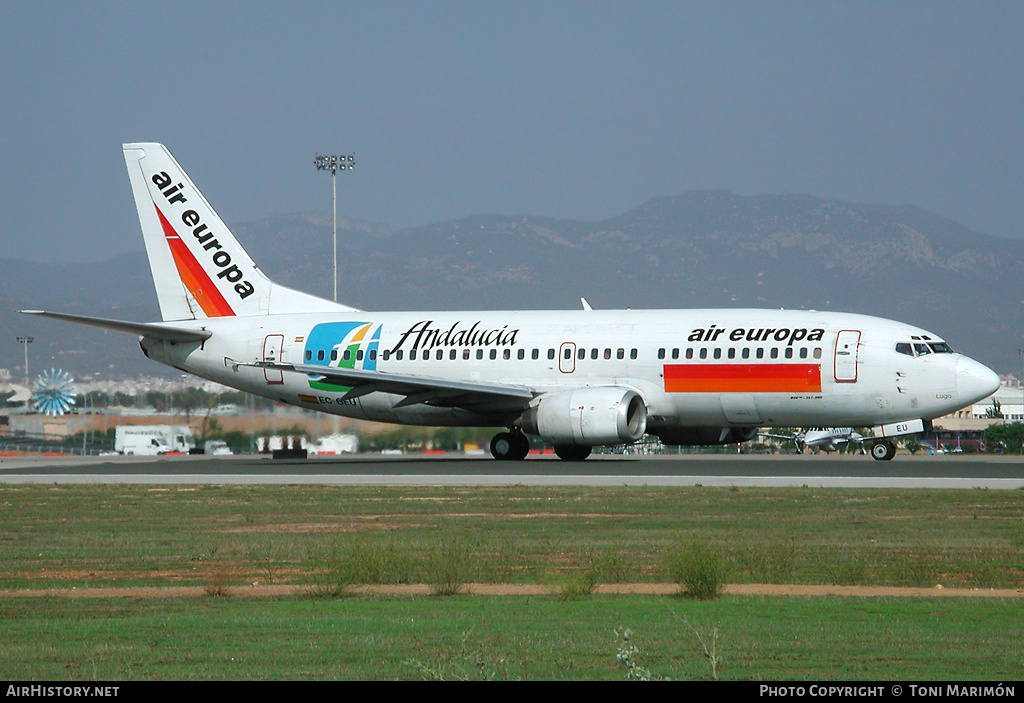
(336, 444)
(217, 447)
(150, 440)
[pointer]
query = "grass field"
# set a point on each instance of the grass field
(511, 638)
(567, 538)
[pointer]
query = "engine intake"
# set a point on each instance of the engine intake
(588, 417)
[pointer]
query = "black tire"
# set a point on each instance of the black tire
(883, 451)
(521, 446)
(501, 446)
(572, 452)
(510, 446)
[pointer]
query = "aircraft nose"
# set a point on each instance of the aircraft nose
(974, 381)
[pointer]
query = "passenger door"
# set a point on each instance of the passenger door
(847, 345)
(273, 346)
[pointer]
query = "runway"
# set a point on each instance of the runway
(856, 471)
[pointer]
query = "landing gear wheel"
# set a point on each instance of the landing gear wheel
(521, 446)
(572, 452)
(510, 446)
(883, 451)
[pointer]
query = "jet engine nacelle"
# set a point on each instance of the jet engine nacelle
(588, 417)
(694, 436)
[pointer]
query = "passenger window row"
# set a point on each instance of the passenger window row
(742, 353)
(594, 353)
(467, 354)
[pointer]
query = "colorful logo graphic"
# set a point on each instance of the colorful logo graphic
(345, 345)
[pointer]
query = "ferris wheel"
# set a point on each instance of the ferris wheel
(53, 392)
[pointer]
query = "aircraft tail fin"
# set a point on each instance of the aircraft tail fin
(199, 268)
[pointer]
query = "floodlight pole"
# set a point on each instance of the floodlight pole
(335, 164)
(25, 341)
(1021, 384)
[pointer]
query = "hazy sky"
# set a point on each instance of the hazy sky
(564, 109)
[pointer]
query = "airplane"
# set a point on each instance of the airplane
(824, 438)
(576, 379)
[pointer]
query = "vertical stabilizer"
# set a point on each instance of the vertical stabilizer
(199, 268)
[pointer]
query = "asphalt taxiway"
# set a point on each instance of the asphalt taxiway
(934, 471)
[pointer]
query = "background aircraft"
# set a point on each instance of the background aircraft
(828, 439)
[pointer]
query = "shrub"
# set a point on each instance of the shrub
(343, 565)
(576, 585)
(449, 568)
(698, 569)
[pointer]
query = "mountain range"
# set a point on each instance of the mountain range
(698, 249)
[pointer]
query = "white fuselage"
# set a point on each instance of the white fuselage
(701, 368)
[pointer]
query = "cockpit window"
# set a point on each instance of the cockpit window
(920, 348)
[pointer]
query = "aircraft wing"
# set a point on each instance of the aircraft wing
(794, 438)
(142, 329)
(834, 440)
(477, 397)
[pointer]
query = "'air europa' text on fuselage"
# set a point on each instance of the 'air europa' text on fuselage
(762, 334)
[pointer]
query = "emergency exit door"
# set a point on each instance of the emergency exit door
(567, 357)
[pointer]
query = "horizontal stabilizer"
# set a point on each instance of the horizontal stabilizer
(142, 329)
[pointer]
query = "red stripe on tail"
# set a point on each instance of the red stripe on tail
(193, 275)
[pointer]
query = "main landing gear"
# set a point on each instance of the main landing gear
(514, 446)
(573, 452)
(883, 450)
(510, 446)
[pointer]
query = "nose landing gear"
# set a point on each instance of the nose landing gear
(883, 450)
(510, 446)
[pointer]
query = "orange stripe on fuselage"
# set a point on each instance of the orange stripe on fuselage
(192, 274)
(743, 378)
